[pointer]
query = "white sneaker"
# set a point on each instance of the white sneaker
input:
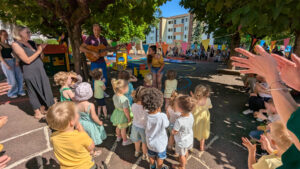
(119, 139)
(260, 120)
(22, 94)
(136, 154)
(13, 97)
(126, 143)
(145, 157)
(106, 95)
(248, 111)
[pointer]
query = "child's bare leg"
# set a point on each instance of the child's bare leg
(154, 84)
(124, 135)
(99, 110)
(171, 141)
(144, 148)
(182, 160)
(137, 146)
(202, 145)
(118, 132)
(104, 111)
(152, 160)
(160, 163)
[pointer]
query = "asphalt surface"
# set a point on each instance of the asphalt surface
(26, 140)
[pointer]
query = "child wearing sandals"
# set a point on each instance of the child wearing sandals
(65, 80)
(157, 122)
(121, 117)
(201, 114)
(170, 86)
(99, 89)
(88, 117)
(183, 128)
(138, 124)
(72, 147)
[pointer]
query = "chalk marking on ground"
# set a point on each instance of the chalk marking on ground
(28, 158)
(112, 151)
(47, 137)
(209, 144)
(137, 162)
(240, 146)
(200, 161)
(20, 135)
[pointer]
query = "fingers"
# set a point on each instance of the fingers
(261, 50)
(281, 60)
(244, 52)
(240, 60)
(296, 60)
(3, 160)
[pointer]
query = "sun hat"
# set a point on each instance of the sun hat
(83, 92)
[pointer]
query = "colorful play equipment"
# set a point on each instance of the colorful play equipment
(178, 60)
(121, 61)
(56, 59)
(139, 67)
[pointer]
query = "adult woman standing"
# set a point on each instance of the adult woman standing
(10, 67)
(37, 82)
(156, 65)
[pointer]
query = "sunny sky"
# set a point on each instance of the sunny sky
(172, 8)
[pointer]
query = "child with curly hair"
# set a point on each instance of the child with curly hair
(138, 124)
(172, 116)
(65, 80)
(121, 117)
(201, 114)
(125, 75)
(156, 135)
(99, 89)
(183, 128)
(170, 86)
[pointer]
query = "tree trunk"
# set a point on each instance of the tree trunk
(297, 44)
(74, 32)
(235, 43)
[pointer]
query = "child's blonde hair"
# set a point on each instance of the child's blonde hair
(136, 94)
(118, 85)
(185, 103)
(201, 91)
(148, 79)
(171, 74)
(60, 115)
(280, 135)
(60, 78)
(173, 99)
(96, 74)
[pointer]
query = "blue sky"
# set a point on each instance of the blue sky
(172, 8)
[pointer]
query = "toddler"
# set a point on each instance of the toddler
(72, 147)
(125, 75)
(88, 117)
(170, 86)
(139, 123)
(183, 128)
(99, 88)
(121, 115)
(148, 80)
(65, 80)
(201, 114)
(157, 122)
(172, 115)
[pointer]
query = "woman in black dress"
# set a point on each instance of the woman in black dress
(37, 82)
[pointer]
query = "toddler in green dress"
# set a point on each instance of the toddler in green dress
(121, 115)
(88, 117)
(65, 80)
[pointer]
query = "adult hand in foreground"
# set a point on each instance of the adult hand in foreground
(262, 64)
(3, 161)
(289, 70)
(4, 87)
(3, 120)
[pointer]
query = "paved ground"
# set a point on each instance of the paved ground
(27, 140)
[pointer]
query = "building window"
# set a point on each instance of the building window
(175, 21)
(184, 36)
(186, 19)
(170, 22)
(174, 37)
(182, 20)
(174, 29)
(151, 38)
(185, 28)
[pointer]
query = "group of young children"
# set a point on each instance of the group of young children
(271, 134)
(77, 127)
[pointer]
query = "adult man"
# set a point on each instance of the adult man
(96, 40)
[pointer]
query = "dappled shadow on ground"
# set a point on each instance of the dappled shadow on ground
(42, 163)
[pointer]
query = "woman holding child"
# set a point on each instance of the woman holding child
(37, 82)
